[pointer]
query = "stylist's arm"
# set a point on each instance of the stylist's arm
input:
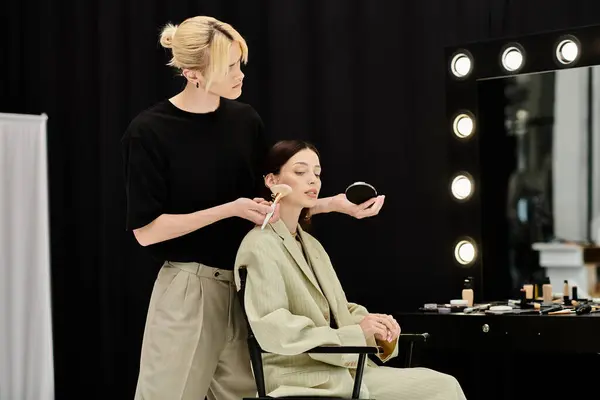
(341, 204)
(170, 226)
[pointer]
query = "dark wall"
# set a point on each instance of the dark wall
(364, 80)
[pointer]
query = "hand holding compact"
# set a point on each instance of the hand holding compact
(360, 200)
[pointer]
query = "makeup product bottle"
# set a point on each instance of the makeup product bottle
(523, 298)
(528, 291)
(574, 290)
(566, 292)
(467, 293)
(539, 289)
(547, 291)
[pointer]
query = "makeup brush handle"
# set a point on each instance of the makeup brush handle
(268, 216)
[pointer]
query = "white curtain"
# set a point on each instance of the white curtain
(26, 357)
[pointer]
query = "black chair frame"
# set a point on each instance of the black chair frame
(256, 352)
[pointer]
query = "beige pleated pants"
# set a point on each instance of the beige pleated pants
(194, 342)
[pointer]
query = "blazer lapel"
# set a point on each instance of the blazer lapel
(292, 247)
(322, 276)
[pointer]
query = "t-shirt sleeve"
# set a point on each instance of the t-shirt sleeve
(145, 181)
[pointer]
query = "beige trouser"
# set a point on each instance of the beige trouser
(386, 383)
(195, 338)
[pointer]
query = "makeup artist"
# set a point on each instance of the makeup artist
(191, 173)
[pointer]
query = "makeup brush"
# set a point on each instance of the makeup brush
(280, 191)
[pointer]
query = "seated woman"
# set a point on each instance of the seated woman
(294, 302)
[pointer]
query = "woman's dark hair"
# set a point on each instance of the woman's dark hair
(277, 157)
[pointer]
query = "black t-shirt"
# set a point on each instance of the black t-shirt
(177, 162)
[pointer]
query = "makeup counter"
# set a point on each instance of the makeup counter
(524, 324)
(523, 181)
(515, 342)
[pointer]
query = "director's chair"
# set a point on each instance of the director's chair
(362, 351)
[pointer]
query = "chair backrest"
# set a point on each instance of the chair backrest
(241, 297)
(243, 272)
(253, 346)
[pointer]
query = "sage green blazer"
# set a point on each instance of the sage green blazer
(289, 308)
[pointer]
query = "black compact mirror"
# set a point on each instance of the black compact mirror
(359, 192)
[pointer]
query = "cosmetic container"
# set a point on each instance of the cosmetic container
(467, 292)
(547, 291)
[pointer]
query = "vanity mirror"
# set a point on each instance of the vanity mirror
(523, 124)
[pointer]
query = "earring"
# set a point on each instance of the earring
(197, 85)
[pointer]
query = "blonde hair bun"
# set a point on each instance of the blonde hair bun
(203, 45)
(167, 34)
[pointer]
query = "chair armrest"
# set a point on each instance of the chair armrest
(342, 350)
(413, 337)
(346, 350)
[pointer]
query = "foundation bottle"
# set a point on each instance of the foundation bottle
(566, 299)
(528, 291)
(467, 292)
(547, 291)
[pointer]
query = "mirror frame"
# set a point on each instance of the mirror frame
(539, 55)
